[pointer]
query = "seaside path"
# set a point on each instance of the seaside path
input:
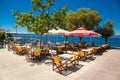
(106, 67)
(15, 67)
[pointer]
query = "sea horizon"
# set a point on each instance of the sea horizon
(113, 41)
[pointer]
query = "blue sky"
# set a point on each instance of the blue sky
(107, 9)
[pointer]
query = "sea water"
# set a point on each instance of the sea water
(113, 41)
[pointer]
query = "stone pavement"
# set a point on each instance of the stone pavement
(15, 67)
(106, 67)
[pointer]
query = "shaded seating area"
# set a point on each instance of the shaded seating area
(58, 64)
(64, 56)
(62, 62)
(74, 60)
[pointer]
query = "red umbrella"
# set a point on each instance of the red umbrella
(81, 32)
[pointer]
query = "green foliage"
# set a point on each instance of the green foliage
(84, 17)
(107, 30)
(42, 21)
(72, 21)
(59, 17)
(40, 5)
(2, 35)
(9, 35)
(37, 23)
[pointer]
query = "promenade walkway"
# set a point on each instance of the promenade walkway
(15, 67)
(106, 67)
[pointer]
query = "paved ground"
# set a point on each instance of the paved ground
(104, 67)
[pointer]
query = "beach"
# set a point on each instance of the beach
(16, 67)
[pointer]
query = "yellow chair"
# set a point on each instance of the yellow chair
(81, 55)
(74, 60)
(10, 46)
(58, 64)
(36, 54)
(14, 48)
(19, 49)
(91, 52)
(59, 50)
(67, 47)
(38, 46)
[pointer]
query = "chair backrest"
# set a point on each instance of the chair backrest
(56, 60)
(26, 50)
(72, 45)
(38, 46)
(19, 48)
(46, 51)
(10, 45)
(67, 46)
(36, 52)
(75, 57)
(81, 53)
(93, 50)
(59, 49)
(14, 48)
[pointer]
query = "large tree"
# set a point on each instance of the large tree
(38, 20)
(83, 17)
(107, 30)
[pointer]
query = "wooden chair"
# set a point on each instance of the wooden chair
(58, 64)
(74, 60)
(10, 46)
(36, 54)
(45, 53)
(14, 48)
(81, 55)
(66, 47)
(99, 50)
(28, 53)
(91, 52)
(38, 46)
(59, 49)
(19, 50)
(72, 46)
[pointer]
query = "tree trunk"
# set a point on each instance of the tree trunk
(106, 40)
(40, 40)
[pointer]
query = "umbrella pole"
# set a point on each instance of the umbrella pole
(90, 42)
(66, 39)
(80, 39)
